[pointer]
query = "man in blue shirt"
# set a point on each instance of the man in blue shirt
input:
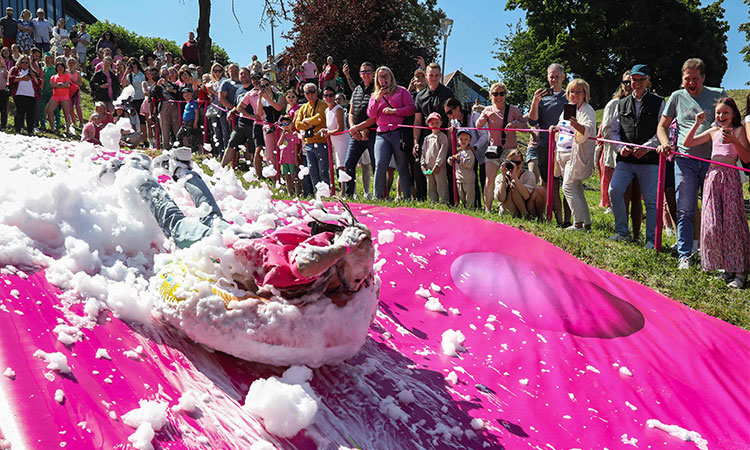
(545, 111)
(689, 173)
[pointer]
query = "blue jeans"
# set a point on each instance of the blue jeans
(688, 177)
(185, 232)
(317, 162)
(388, 144)
(221, 131)
(353, 153)
(648, 177)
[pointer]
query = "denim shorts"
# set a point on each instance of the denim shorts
(531, 154)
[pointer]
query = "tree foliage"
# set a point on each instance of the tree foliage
(384, 32)
(597, 40)
(745, 28)
(133, 44)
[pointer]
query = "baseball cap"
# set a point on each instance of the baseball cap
(462, 131)
(640, 69)
(434, 116)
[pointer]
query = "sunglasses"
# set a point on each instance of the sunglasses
(310, 92)
(450, 112)
(499, 94)
(218, 70)
(329, 95)
(626, 82)
(366, 72)
(283, 124)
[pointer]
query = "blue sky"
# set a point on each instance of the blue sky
(469, 45)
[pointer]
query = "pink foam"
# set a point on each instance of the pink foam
(545, 375)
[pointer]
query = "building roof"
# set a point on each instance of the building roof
(461, 76)
(75, 9)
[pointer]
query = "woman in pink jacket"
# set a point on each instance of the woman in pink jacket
(389, 105)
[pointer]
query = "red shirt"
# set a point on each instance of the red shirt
(61, 91)
(190, 51)
(273, 256)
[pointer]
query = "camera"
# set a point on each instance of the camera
(509, 165)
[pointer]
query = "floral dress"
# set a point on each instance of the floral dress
(24, 39)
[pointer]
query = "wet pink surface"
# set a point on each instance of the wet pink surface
(545, 335)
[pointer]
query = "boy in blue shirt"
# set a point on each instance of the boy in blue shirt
(189, 128)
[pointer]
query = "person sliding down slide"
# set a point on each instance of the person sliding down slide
(302, 260)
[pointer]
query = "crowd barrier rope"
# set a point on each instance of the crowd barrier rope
(453, 131)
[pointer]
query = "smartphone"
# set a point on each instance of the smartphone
(547, 92)
(569, 111)
(346, 63)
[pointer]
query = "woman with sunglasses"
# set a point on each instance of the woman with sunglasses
(107, 41)
(216, 113)
(389, 105)
(497, 116)
(25, 87)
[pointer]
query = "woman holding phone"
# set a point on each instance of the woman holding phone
(575, 151)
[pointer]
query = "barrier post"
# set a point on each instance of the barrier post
(330, 166)
(277, 153)
(454, 132)
(205, 126)
(157, 129)
(660, 201)
(550, 175)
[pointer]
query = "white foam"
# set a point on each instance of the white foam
(10, 373)
(679, 432)
(55, 361)
(284, 408)
(452, 342)
(433, 304)
(149, 417)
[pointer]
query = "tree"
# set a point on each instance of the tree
(745, 28)
(204, 38)
(384, 32)
(133, 44)
(599, 39)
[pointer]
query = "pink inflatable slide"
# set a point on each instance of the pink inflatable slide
(486, 337)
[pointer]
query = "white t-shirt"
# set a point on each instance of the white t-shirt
(25, 87)
(80, 47)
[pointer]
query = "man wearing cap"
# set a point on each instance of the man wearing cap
(636, 122)
(190, 50)
(42, 31)
(8, 28)
(689, 173)
(362, 138)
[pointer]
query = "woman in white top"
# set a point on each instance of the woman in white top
(575, 151)
(606, 153)
(336, 124)
(61, 36)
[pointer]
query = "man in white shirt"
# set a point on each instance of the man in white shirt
(81, 43)
(42, 31)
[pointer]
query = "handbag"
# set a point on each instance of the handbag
(493, 152)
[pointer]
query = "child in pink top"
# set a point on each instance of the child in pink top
(725, 236)
(90, 131)
(290, 147)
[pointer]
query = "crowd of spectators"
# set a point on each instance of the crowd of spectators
(285, 125)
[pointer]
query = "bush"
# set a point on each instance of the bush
(133, 44)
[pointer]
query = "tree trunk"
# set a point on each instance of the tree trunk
(204, 40)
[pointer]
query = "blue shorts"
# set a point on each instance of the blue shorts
(531, 154)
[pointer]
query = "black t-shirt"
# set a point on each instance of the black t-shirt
(10, 27)
(427, 102)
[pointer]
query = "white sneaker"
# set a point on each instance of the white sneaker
(608, 210)
(617, 237)
(180, 162)
(669, 231)
(649, 246)
(738, 282)
(685, 263)
(575, 228)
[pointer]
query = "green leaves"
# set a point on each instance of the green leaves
(598, 40)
